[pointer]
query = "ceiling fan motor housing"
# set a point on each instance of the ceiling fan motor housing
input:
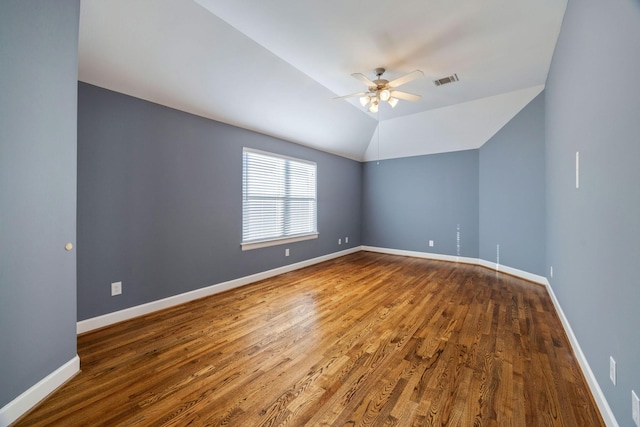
(380, 82)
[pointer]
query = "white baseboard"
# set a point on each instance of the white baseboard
(512, 271)
(415, 254)
(596, 391)
(30, 398)
(139, 310)
(475, 261)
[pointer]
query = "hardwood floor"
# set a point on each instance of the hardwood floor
(366, 339)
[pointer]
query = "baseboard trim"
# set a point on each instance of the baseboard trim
(467, 260)
(415, 254)
(596, 391)
(150, 307)
(512, 271)
(31, 397)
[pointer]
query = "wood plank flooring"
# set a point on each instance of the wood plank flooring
(366, 339)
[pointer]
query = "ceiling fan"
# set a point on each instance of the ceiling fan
(384, 90)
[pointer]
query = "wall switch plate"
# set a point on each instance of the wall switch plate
(286, 252)
(339, 241)
(430, 243)
(346, 240)
(551, 271)
(116, 288)
(635, 408)
(612, 370)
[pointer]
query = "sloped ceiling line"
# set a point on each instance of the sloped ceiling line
(274, 67)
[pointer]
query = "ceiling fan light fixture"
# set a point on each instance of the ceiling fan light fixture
(383, 90)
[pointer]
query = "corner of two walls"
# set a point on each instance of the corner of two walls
(512, 192)
(410, 201)
(160, 206)
(466, 202)
(38, 74)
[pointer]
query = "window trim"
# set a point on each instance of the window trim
(257, 244)
(278, 241)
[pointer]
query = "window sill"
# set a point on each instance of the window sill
(275, 242)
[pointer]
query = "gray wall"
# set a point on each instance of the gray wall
(496, 194)
(593, 233)
(409, 201)
(160, 207)
(512, 192)
(38, 74)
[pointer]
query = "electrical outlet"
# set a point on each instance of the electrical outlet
(286, 252)
(551, 271)
(346, 240)
(116, 288)
(635, 408)
(339, 241)
(430, 243)
(612, 370)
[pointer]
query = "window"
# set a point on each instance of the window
(278, 199)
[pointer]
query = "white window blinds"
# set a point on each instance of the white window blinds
(278, 198)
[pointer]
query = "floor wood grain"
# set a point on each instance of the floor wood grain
(366, 339)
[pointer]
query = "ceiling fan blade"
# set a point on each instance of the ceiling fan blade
(406, 78)
(364, 79)
(404, 95)
(353, 95)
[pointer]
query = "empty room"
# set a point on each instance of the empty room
(319, 213)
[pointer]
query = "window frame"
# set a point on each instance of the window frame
(280, 240)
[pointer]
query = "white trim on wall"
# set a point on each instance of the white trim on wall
(475, 261)
(596, 391)
(31, 397)
(512, 271)
(139, 310)
(427, 255)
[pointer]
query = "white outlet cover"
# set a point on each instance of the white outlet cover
(339, 241)
(346, 240)
(286, 252)
(116, 288)
(635, 408)
(431, 243)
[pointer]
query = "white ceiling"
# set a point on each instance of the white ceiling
(464, 126)
(276, 66)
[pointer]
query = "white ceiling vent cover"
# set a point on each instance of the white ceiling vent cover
(445, 80)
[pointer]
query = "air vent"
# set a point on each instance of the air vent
(445, 80)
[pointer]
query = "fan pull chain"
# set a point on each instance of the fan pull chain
(378, 116)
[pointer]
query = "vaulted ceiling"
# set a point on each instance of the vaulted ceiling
(276, 66)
